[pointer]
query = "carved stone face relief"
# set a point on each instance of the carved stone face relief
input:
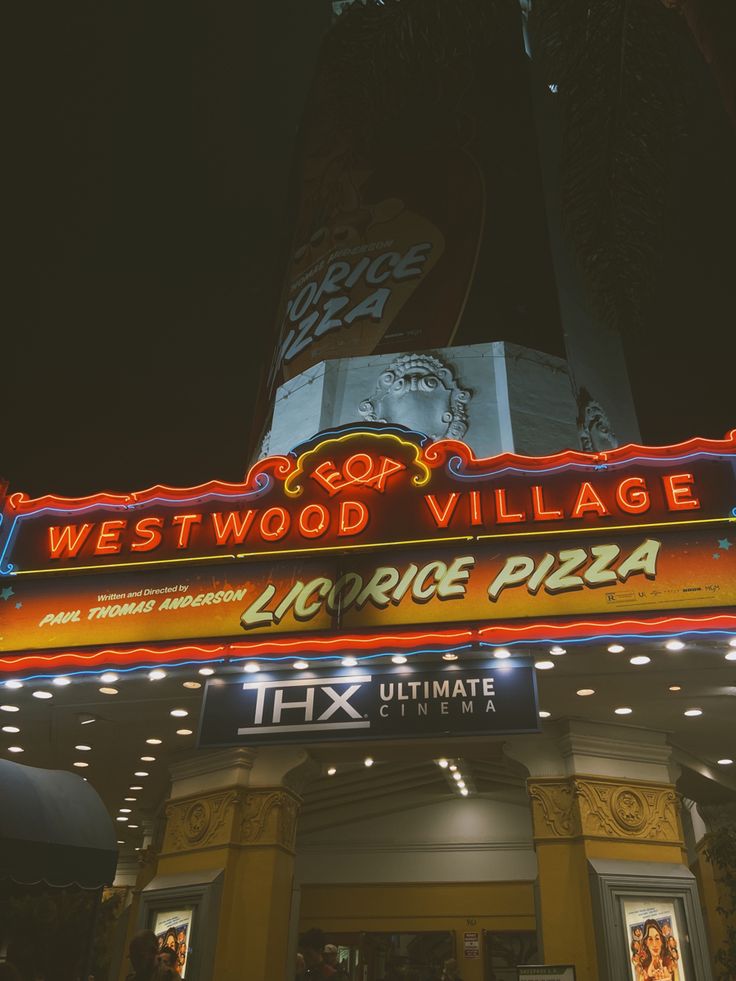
(419, 391)
(594, 426)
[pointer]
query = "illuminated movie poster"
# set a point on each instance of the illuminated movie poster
(174, 932)
(653, 941)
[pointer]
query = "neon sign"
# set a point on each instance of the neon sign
(365, 488)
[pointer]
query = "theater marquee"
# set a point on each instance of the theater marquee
(375, 531)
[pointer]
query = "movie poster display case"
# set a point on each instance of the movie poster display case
(649, 922)
(183, 911)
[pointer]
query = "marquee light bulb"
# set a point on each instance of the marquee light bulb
(349, 662)
(464, 791)
(206, 671)
(61, 682)
(449, 656)
(443, 763)
(674, 645)
(13, 683)
(501, 653)
(399, 659)
(368, 761)
(732, 642)
(615, 648)
(301, 665)
(457, 776)
(557, 651)
(109, 678)
(251, 667)
(158, 674)
(453, 768)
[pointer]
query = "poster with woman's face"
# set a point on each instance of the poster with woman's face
(653, 941)
(174, 933)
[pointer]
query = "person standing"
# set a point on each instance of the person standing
(311, 945)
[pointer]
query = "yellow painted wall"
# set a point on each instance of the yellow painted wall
(407, 907)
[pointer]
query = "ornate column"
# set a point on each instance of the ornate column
(708, 821)
(237, 810)
(596, 791)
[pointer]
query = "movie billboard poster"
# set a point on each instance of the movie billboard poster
(417, 200)
(174, 935)
(653, 941)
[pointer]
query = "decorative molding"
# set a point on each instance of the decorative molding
(553, 809)
(269, 817)
(233, 817)
(200, 822)
(597, 807)
(402, 848)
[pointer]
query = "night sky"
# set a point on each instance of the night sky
(150, 149)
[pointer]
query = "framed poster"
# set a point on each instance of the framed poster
(173, 931)
(653, 940)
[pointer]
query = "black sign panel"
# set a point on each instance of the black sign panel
(369, 704)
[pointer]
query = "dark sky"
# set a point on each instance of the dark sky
(150, 149)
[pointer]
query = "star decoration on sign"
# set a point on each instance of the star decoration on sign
(716, 555)
(724, 544)
(18, 605)
(6, 593)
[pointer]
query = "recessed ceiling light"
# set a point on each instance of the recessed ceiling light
(148, 759)
(125, 810)
(153, 741)
(544, 665)
(449, 656)
(251, 667)
(61, 682)
(134, 826)
(349, 662)
(13, 683)
(623, 711)
(674, 645)
(300, 665)
(108, 678)
(191, 684)
(693, 712)
(674, 688)
(725, 762)
(443, 763)
(120, 842)
(140, 773)
(332, 771)
(13, 729)
(121, 819)
(43, 694)
(368, 761)
(184, 732)
(179, 713)
(640, 659)
(544, 715)
(85, 719)
(206, 671)
(130, 799)
(135, 788)
(453, 767)
(585, 691)
(615, 648)
(398, 659)
(457, 775)
(501, 653)
(108, 691)
(732, 642)
(9, 708)
(83, 749)
(15, 749)
(557, 651)
(81, 764)
(731, 656)
(461, 784)
(158, 674)
(464, 791)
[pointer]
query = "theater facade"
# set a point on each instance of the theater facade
(435, 704)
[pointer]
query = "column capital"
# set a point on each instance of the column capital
(271, 766)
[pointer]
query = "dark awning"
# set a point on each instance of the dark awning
(53, 828)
